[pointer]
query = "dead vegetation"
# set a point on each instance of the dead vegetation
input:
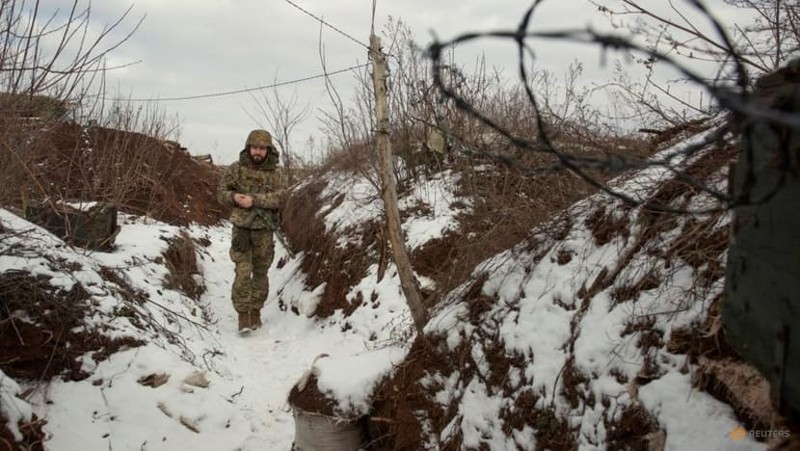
(339, 268)
(181, 261)
(39, 327)
(43, 335)
(61, 142)
(606, 224)
(142, 176)
(505, 205)
(33, 437)
(137, 173)
(670, 242)
(394, 424)
(722, 373)
(57, 147)
(636, 429)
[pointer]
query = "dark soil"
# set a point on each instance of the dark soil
(38, 340)
(139, 174)
(310, 399)
(394, 425)
(37, 330)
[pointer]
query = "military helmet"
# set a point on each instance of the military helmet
(259, 138)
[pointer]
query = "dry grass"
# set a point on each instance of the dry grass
(181, 261)
(38, 329)
(607, 224)
(630, 292)
(124, 289)
(743, 387)
(399, 398)
(138, 173)
(636, 429)
(648, 336)
(506, 206)
(33, 437)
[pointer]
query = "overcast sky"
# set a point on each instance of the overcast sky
(195, 47)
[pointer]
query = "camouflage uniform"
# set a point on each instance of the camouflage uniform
(252, 246)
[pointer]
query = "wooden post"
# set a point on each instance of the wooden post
(406, 273)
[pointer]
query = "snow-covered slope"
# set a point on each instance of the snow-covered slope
(573, 339)
(243, 407)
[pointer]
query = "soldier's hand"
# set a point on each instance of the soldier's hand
(243, 200)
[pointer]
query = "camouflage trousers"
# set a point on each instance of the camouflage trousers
(252, 252)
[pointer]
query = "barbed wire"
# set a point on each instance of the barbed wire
(733, 99)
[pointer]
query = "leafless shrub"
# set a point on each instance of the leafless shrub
(137, 172)
(507, 202)
(760, 43)
(42, 83)
(729, 97)
(283, 114)
(60, 141)
(766, 42)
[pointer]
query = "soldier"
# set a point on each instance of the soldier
(253, 188)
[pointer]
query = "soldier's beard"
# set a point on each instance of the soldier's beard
(257, 159)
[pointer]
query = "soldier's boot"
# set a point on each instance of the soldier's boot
(255, 318)
(245, 325)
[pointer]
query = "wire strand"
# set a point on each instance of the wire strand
(327, 24)
(244, 90)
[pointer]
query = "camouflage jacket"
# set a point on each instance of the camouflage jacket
(264, 183)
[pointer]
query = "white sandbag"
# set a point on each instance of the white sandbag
(317, 432)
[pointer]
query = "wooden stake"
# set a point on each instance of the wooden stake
(407, 280)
